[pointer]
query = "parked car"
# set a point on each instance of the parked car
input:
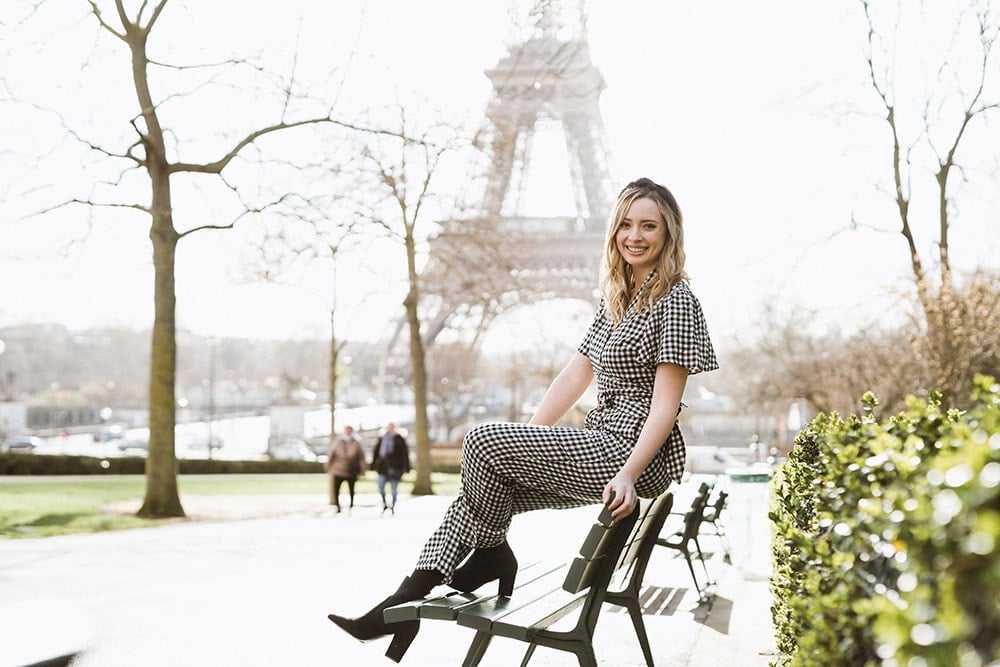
(215, 442)
(20, 444)
(109, 432)
(134, 442)
(292, 449)
(710, 460)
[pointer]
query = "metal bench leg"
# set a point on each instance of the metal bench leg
(701, 557)
(585, 655)
(635, 611)
(528, 654)
(697, 586)
(477, 649)
(721, 532)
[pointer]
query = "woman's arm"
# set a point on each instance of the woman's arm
(668, 387)
(564, 391)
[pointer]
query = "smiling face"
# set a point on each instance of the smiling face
(640, 237)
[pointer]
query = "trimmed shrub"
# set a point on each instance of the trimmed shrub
(886, 537)
(57, 464)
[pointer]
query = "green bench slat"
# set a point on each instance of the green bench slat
(583, 567)
(524, 623)
(485, 612)
(595, 541)
(442, 607)
(446, 607)
(450, 612)
(581, 574)
(631, 550)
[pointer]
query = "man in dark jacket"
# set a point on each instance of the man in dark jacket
(391, 460)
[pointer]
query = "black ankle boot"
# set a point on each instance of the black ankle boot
(372, 625)
(485, 565)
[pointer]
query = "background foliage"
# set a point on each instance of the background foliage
(886, 537)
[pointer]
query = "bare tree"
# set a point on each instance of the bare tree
(931, 136)
(792, 359)
(309, 237)
(399, 181)
(154, 151)
(955, 334)
(452, 380)
(933, 130)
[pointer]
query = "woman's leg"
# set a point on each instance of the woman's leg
(394, 485)
(380, 482)
(350, 488)
(509, 468)
(337, 481)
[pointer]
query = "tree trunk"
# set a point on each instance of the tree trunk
(334, 354)
(422, 484)
(162, 497)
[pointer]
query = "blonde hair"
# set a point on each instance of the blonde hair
(616, 278)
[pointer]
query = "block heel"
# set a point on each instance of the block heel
(506, 587)
(402, 639)
(486, 565)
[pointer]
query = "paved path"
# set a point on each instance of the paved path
(248, 581)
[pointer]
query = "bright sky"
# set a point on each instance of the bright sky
(742, 109)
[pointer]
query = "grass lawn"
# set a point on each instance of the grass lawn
(47, 506)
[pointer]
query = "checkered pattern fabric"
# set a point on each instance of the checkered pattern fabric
(508, 468)
(625, 355)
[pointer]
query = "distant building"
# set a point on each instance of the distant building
(13, 417)
(59, 416)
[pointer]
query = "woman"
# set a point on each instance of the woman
(345, 462)
(648, 335)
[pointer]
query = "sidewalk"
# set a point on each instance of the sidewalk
(248, 581)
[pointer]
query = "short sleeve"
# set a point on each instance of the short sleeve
(588, 339)
(681, 332)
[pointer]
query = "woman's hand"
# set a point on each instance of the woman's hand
(668, 387)
(619, 496)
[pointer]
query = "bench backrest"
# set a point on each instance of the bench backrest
(714, 509)
(632, 564)
(613, 546)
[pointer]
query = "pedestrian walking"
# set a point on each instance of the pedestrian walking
(345, 462)
(391, 460)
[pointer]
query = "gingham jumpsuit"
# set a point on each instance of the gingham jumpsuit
(509, 468)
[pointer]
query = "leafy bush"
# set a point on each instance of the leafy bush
(56, 464)
(886, 537)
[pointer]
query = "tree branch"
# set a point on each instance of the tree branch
(217, 166)
(84, 202)
(96, 11)
(901, 197)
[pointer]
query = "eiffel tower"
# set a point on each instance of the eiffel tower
(546, 81)
(549, 79)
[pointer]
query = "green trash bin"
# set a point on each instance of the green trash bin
(749, 530)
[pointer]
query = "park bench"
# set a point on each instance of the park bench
(685, 539)
(712, 519)
(609, 568)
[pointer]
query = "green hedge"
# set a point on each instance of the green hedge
(886, 538)
(32, 464)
